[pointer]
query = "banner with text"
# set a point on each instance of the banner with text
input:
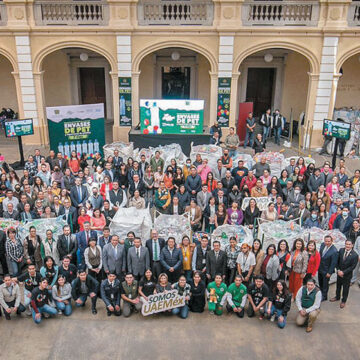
(171, 116)
(223, 109)
(125, 101)
(161, 302)
(77, 128)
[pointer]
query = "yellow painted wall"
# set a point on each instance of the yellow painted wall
(348, 90)
(146, 79)
(8, 97)
(57, 87)
(203, 89)
(295, 85)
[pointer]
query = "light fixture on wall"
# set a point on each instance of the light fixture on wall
(84, 56)
(175, 55)
(268, 58)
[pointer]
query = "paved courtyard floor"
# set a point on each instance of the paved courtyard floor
(201, 336)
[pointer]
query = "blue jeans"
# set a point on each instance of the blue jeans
(14, 268)
(277, 135)
(83, 299)
(43, 309)
(249, 138)
(65, 308)
(265, 132)
(278, 313)
(183, 311)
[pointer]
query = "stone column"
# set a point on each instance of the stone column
(135, 97)
(41, 107)
(213, 97)
(233, 98)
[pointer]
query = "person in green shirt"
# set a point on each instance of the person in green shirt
(216, 291)
(156, 161)
(236, 297)
(129, 241)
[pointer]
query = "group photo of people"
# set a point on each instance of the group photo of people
(46, 276)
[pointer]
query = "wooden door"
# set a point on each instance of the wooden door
(92, 86)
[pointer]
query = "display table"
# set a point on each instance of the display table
(184, 140)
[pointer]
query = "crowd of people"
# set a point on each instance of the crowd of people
(88, 262)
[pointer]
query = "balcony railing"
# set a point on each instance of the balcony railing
(3, 17)
(67, 12)
(354, 14)
(185, 12)
(280, 13)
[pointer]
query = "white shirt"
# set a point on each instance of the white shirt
(245, 261)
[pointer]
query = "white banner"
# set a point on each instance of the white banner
(261, 202)
(161, 302)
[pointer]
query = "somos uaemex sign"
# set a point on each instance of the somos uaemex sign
(161, 302)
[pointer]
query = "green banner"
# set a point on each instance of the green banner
(79, 128)
(223, 109)
(19, 127)
(171, 116)
(337, 129)
(125, 101)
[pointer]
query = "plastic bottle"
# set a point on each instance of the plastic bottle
(72, 146)
(78, 148)
(122, 106)
(61, 148)
(91, 148)
(96, 146)
(66, 150)
(84, 147)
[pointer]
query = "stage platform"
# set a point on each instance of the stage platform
(143, 141)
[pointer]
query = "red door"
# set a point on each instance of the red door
(244, 109)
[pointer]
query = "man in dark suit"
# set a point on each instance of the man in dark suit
(117, 160)
(143, 164)
(136, 184)
(355, 210)
(215, 262)
(67, 245)
(155, 245)
(61, 162)
(286, 213)
(301, 213)
(108, 171)
(346, 264)
(228, 181)
(175, 207)
(69, 214)
(171, 260)
(220, 198)
(78, 194)
(105, 238)
(68, 179)
(138, 259)
(117, 197)
(329, 258)
(83, 238)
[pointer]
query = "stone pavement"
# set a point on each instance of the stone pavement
(201, 336)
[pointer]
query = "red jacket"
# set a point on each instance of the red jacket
(332, 219)
(246, 181)
(102, 190)
(313, 264)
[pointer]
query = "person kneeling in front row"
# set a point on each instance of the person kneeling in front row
(216, 291)
(40, 302)
(236, 297)
(279, 304)
(110, 291)
(183, 289)
(308, 301)
(82, 287)
(130, 295)
(10, 297)
(258, 295)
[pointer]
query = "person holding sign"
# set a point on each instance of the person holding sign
(183, 289)
(216, 291)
